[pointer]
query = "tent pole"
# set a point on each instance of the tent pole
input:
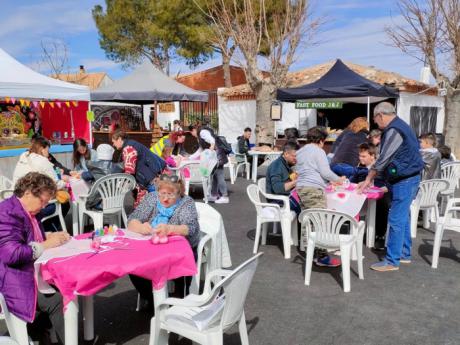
(368, 110)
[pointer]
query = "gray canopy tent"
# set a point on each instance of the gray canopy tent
(145, 85)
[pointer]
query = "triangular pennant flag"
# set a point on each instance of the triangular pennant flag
(42, 104)
(7, 100)
(75, 103)
(21, 101)
(13, 100)
(90, 116)
(27, 102)
(67, 104)
(51, 104)
(35, 103)
(58, 104)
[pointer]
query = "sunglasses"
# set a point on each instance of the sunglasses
(172, 178)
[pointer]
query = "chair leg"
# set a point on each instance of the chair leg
(98, 219)
(437, 245)
(360, 257)
(243, 330)
(426, 219)
(248, 171)
(309, 260)
(345, 253)
(294, 233)
(81, 218)
(158, 336)
(232, 174)
(264, 233)
(18, 330)
(286, 235)
(257, 236)
(61, 217)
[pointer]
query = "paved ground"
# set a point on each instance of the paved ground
(416, 305)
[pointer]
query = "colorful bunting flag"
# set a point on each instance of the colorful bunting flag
(13, 100)
(90, 116)
(35, 103)
(21, 101)
(67, 104)
(42, 104)
(7, 99)
(75, 103)
(58, 104)
(51, 104)
(27, 102)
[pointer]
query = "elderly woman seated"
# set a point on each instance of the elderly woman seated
(165, 212)
(22, 241)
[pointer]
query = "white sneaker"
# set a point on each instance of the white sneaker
(222, 200)
(212, 198)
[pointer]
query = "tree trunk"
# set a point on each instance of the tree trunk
(452, 120)
(265, 127)
(226, 68)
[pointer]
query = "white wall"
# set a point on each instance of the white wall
(163, 118)
(235, 116)
(407, 100)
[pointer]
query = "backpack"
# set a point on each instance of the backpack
(222, 143)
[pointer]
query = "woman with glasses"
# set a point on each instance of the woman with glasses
(22, 241)
(165, 212)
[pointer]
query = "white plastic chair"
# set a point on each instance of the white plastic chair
(450, 221)
(17, 328)
(179, 318)
(57, 213)
(5, 183)
(450, 172)
(231, 166)
(322, 229)
(244, 163)
(6, 193)
(426, 200)
(272, 213)
(112, 189)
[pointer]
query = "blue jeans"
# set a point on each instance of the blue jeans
(399, 241)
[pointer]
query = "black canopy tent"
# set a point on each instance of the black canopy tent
(340, 83)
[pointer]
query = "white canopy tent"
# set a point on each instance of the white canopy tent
(19, 81)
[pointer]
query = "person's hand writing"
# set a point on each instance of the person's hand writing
(56, 239)
(362, 186)
(145, 229)
(162, 230)
(340, 181)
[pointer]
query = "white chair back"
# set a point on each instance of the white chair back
(236, 287)
(429, 191)
(112, 189)
(326, 224)
(5, 183)
(254, 196)
(451, 216)
(195, 174)
(262, 184)
(451, 173)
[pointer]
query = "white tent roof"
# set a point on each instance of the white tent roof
(19, 81)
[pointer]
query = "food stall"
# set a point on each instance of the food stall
(342, 94)
(145, 85)
(33, 103)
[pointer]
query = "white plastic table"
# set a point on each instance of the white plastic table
(255, 155)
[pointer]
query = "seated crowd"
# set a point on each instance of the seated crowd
(385, 157)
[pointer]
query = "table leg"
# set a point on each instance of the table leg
(88, 317)
(255, 159)
(162, 336)
(71, 323)
(370, 220)
(75, 225)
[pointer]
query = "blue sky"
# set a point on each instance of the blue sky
(353, 31)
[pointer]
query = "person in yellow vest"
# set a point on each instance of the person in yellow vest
(174, 140)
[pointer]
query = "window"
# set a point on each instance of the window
(423, 119)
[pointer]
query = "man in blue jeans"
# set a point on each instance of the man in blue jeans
(400, 164)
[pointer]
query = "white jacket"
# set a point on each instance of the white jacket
(32, 162)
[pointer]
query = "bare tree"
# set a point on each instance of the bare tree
(274, 27)
(431, 33)
(55, 55)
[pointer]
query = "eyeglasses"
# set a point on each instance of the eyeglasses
(167, 195)
(172, 178)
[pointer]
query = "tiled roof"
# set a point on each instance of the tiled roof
(311, 74)
(92, 80)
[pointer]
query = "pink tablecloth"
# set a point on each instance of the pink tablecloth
(348, 200)
(84, 275)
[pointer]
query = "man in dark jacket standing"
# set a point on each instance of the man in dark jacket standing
(400, 163)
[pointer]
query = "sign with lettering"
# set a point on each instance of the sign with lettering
(166, 107)
(318, 105)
